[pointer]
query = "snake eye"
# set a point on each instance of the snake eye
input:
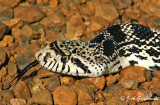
(64, 58)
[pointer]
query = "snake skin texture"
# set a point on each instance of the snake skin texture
(113, 49)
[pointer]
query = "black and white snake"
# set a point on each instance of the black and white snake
(113, 49)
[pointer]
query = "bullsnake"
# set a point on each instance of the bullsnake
(113, 49)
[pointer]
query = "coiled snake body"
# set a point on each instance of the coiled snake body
(110, 51)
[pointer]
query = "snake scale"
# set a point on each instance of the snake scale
(113, 49)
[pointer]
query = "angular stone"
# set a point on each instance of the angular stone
(10, 3)
(152, 7)
(16, 101)
(129, 84)
(16, 32)
(53, 3)
(3, 72)
(67, 80)
(83, 90)
(12, 68)
(75, 27)
(53, 82)
(2, 56)
(16, 22)
(6, 12)
(3, 30)
(61, 94)
(134, 73)
(22, 62)
(43, 97)
(54, 18)
(106, 11)
(28, 32)
(7, 95)
(28, 13)
(111, 80)
(6, 85)
(99, 82)
(45, 73)
(116, 100)
(22, 91)
(8, 39)
(121, 4)
(30, 49)
(156, 74)
(138, 95)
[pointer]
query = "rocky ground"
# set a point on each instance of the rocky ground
(27, 25)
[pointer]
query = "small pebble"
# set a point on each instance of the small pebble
(12, 68)
(8, 39)
(22, 62)
(16, 101)
(2, 56)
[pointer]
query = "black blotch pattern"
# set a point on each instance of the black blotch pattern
(155, 67)
(80, 64)
(142, 32)
(153, 52)
(116, 32)
(98, 39)
(141, 57)
(132, 63)
(109, 47)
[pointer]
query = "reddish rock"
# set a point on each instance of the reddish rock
(12, 68)
(99, 96)
(83, 90)
(28, 13)
(121, 4)
(7, 95)
(99, 103)
(137, 95)
(133, 12)
(134, 73)
(96, 26)
(29, 50)
(16, 22)
(156, 74)
(3, 30)
(8, 39)
(54, 18)
(18, 101)
(106, 11)
(21, 90)
(5, 12)
(45, 73)
(115, 101)
(16, 32)
(3, 72)
(113, 90)
(2, 56)
(1, 98)
(28, 32)
(43, 97)
(88, 9)
(53, 3)
(10, 3)
(64, 95)
(152, 7)
(129, 84)
(99, 82)
(111, 80)
(67, 80)
(52, 83)
(75, 27)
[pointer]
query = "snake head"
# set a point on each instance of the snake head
(69, 57)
